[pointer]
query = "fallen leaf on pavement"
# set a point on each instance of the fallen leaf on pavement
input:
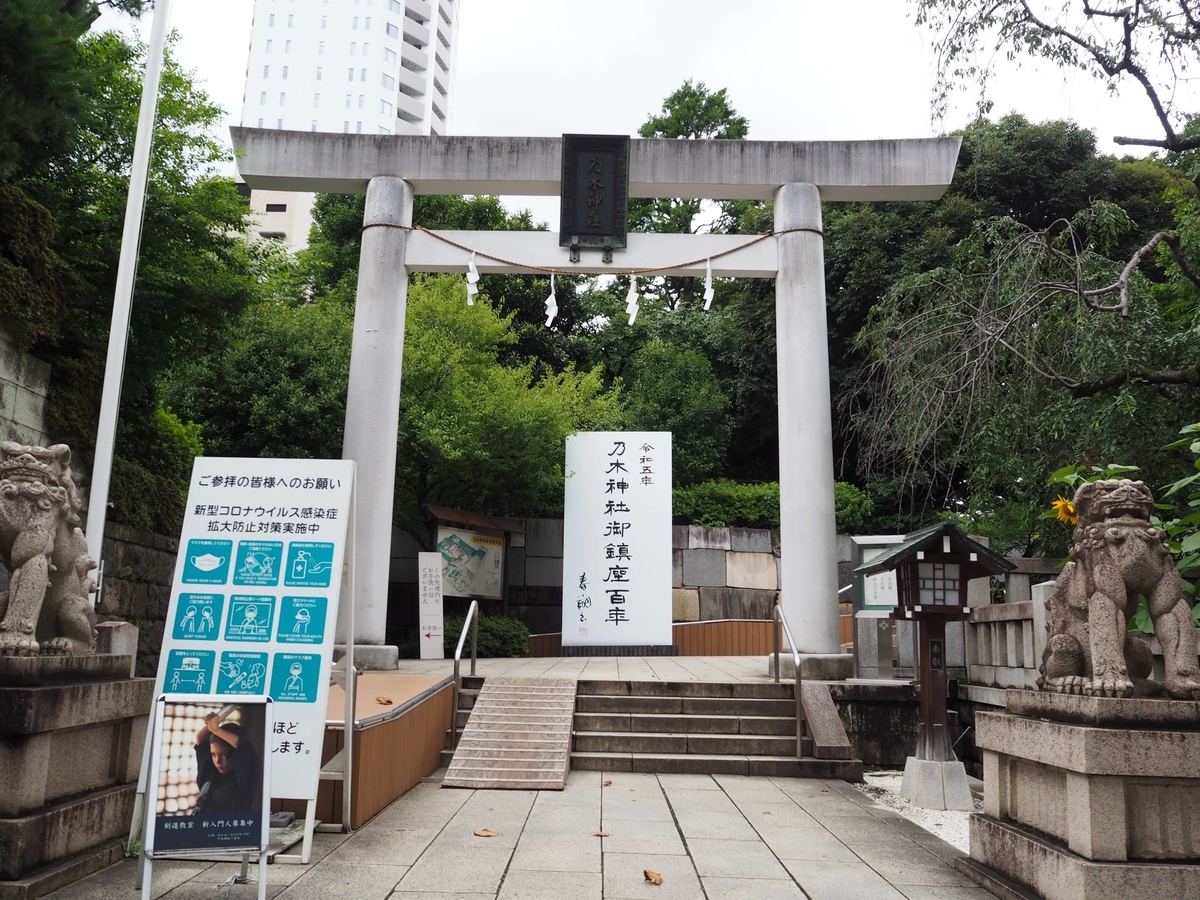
(486, 832)
(607, 783)
(384, 701)
(824, 790)
(600, 833)
(652, 876)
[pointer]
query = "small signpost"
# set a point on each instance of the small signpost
(431, 620)
(617, 544)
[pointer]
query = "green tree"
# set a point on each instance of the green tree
(274, 386)
(195, 270)
(477, 434)
(44, 80)
(474, 432)
(1038, 175)
(1149, 44)
(676, 390)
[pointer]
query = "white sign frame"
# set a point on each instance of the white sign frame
(332, 557)
(147, 853)
(617, 540)
(431, 628)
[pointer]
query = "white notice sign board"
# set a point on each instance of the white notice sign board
(255, 598)
(431, 622)
(617, 539)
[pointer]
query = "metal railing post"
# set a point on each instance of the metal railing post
(472, 622)
(781, 620)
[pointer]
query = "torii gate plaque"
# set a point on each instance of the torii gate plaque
(797, 176)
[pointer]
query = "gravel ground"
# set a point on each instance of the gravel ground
(949, 825)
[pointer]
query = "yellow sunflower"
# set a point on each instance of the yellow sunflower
(1065, 510)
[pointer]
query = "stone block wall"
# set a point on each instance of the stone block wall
(139, 569)
(724, 573)
(24, 381)
(717, 573)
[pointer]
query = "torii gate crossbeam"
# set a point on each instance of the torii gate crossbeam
(797, 176)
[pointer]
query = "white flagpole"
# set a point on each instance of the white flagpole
(118, 335)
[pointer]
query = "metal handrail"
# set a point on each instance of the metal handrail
(472, 620)
(779, 619)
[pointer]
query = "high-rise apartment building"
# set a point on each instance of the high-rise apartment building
(349, 66)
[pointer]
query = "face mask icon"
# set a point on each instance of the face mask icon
(207, 562)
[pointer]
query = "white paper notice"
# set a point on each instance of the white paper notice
(430, 616)
(255, 598)
(617, 539)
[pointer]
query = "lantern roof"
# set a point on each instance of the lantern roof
(981, 562)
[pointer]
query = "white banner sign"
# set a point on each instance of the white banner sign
(430, 616)
(255, 597)
(617, 539)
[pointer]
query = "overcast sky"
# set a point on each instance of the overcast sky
(797, 69)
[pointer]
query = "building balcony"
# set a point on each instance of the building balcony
(408, 109)
(415, 33)
(413, 84)
(414, 59)
(419, 10)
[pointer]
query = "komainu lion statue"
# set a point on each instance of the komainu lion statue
(1116, 556)
(46, 610)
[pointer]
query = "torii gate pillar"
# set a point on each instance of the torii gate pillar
(807, 539)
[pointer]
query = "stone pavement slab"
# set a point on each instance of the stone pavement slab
(710, 837)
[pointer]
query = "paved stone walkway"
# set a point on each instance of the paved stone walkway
(711, 838)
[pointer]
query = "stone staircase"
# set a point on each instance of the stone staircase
(686, 727)
(696, 727)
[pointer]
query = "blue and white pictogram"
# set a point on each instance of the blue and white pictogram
(189, 671)
(302, 620)
(258, 563)
(206, 561)
(198, 617)
(309, 564)
(242, 673)
(250, 618)
(295, 677)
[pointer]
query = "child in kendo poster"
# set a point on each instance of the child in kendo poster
(210, 792)
(229, 771)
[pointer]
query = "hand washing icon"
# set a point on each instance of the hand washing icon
(207, 562)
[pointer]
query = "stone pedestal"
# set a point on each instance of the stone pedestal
(71, 737)
(931, 784)
(1091, 797)
(814, 666)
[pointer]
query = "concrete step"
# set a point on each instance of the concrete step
(700, 764)
(712, 690)
(702, 744)
(704, 706)
(681, 724)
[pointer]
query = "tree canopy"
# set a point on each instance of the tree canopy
(60, 241)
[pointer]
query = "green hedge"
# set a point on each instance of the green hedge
(499, 636)
(723, 503)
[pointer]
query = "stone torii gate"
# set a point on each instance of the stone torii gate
(797, 176)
